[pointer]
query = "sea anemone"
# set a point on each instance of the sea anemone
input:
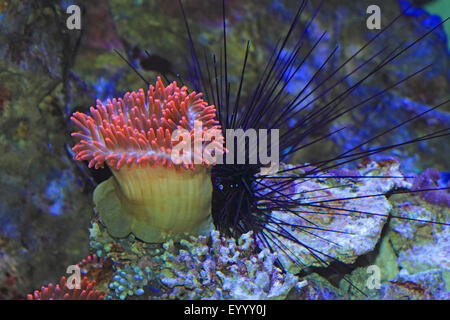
(159, 147)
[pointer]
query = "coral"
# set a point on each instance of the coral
(62, 292)
(224, 269)
(134, 136)
(199, 267)
(134, 270)
(129, 281)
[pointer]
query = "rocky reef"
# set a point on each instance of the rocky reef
(410, 256)
(47, 217)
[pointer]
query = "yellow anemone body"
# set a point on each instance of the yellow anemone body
(155, 202)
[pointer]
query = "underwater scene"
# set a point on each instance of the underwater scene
(224, 150)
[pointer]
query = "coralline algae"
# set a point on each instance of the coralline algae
(430, 255)
(427, 285)
(128, 281)
(358, 222)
